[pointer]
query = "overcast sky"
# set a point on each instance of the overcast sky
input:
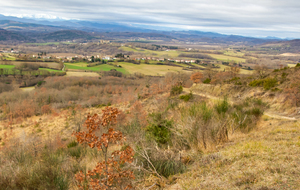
(279, 18)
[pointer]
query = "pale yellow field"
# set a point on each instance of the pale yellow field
(27, 89)
(234, 53)
(81, 74)
(291, 65)
(227, 58)
(149, 69)
(165, 54)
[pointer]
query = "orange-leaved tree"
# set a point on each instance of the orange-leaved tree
(196, 77)
(110, 173)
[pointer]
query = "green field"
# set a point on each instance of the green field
(104, 67)
(7, 66)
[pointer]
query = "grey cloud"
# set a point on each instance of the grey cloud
(245, 17)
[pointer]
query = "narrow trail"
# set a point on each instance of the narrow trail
(269, 114)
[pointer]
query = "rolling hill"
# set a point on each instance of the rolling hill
(27, 27)
(11, 36)
(66, 35)
(57, 30)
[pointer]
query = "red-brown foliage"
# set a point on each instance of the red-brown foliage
(221, 77)
(46, 109)
(108, 173)
(196, 77)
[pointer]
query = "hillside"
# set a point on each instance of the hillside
(67, 35)
(122, 31)
(27, 27)
(11, 36)
(288, 46)
(235, 132)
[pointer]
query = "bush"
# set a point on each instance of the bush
(186, 97)
(256, 83)
(255, 111)
(159, 128)
(168, 167)
(72, 144)
(222, 107)
(266, 83)
(207, 81)
(270, 83)
(196, 77)
(40, 83)
(175, 90)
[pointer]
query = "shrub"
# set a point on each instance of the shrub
(198, 129)
(196, 77)
(270, 83)
(207, 81)
(159, 128)
(256, 83)
(168, 167)
(245, 115)
(72, 144)
(186, 97)
(75, 152)
(266, 83)
(255, 111)
(223, 106)
(40, 83)
(175, 90)
(109, 173)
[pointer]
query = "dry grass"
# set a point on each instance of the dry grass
(82, 74)
(153, 70)
(227, 58)
(267, 157)
(26, 89)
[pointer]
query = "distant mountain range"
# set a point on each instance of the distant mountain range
(24, 29)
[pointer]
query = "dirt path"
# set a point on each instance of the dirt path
(267, 113)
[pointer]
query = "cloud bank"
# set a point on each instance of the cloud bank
(243, 17)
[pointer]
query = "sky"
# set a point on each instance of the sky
(258, 18)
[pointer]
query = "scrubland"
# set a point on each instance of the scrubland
(196, 130)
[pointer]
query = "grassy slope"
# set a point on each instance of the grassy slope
(268, 156)
(9, 57)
